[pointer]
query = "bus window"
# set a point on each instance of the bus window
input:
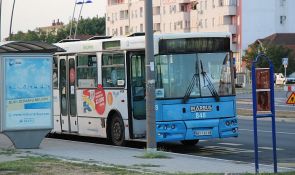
(62, 86)
(138, 75)
(54, 73)
(87, 71)
(113, 70)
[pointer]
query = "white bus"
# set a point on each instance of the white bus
(99, 88)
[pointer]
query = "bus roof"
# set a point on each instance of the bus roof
(130, 43)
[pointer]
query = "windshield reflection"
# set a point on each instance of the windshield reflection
(174, 74)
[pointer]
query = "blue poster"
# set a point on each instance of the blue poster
(28, 92)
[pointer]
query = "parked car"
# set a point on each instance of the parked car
(290, 79)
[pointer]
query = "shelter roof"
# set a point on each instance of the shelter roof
(28, 47)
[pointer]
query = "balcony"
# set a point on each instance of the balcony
(227, 3)
(228, 10)
(227, 7)
(234, 47)
(227, 28)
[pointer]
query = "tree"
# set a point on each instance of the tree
(90, 26)
(275, 54)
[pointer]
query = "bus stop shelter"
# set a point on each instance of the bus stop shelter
(26, 91)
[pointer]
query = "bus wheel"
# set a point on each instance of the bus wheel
(117, 131)
(190, 142)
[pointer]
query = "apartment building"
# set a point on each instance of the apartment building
(247, 20)
(127, 16)
(55, 26)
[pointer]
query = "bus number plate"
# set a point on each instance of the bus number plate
(203, 133)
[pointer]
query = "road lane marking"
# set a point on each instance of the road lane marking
(270, 148)
(289, 164)
(250, 130)
(223, 150)
(230, 144)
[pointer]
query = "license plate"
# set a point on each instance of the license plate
(203, 133)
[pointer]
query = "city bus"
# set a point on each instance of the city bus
(100, 83)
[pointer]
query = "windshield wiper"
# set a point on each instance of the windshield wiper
(210, 84)
(190, 88)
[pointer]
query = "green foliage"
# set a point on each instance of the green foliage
(8, 152)
(275, 54)
(46, 165)
(89, 26)
(153, 155)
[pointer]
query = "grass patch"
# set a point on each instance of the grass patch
(154, 155)
(285, 173)
(8, 152)
(46, 165)
(146, 165)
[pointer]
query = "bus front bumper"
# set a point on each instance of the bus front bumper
(196, 129)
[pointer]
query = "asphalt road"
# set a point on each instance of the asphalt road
(238, 149)
(244, 100)
(242, 149)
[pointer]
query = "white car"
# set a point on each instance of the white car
(290, 79)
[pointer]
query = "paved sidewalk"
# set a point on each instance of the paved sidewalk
(121, 156)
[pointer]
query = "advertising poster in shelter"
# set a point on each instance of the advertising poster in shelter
(28, 92)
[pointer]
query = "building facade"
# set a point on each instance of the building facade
(247, 20)
(55, 26)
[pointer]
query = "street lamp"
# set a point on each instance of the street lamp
(0, 18)
(82, 3)
(11, 20)
(70, 36)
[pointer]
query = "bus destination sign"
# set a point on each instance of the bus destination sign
(194, 45)
(107, 45)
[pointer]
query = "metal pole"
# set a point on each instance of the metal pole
(78, 20)
(273, 121)
(0, 19)
(70, 36)
(255, 118)
(150, 77)
(11, 20)
(285, 73)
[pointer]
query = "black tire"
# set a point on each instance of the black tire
(117, 131)
(190, 142)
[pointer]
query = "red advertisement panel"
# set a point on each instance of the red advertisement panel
(262, 79)
(263, 101)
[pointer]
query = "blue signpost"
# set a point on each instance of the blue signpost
(263, 102)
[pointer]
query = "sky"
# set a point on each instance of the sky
(30, 14)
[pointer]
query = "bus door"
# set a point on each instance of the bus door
(137, 94)
(67, 90)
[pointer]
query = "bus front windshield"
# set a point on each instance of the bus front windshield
(194, 75)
